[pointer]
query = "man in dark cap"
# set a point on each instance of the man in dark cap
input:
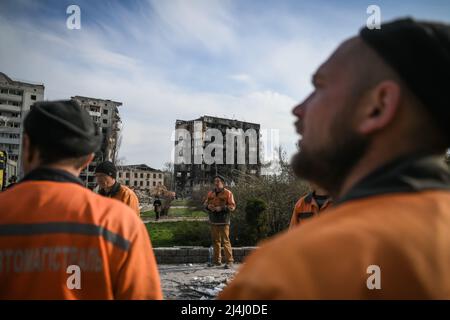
(219, 204)
(58, 239)
(106, 173)
(374, 134)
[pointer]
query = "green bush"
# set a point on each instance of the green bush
(279, 193)
(198, 197)
(256, 219)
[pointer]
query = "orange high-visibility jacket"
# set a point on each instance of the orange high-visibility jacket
(127, 196)
(47, 226)
(305, 208)
(224, 199)
(389, 240)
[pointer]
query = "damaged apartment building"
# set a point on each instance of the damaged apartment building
(193, 141)
(16, 98)
(105, 114)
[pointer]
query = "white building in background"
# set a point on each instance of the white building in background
(140, 176)
(16, 98)
(105, 114)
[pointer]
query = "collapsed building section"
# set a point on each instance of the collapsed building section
(208, 146)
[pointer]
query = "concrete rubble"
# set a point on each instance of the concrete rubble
(194, 281)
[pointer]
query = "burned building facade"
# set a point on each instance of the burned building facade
(105, 114)
(208, 146)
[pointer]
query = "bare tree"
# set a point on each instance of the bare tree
(117, 136)
(168, 170)
(279, 190)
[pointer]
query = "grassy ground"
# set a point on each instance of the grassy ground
(180, 202)
(161, 234)
(182, 233)
(178, 212)
(179, 233)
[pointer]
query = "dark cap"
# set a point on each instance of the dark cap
(419, 52)
(220, 177)
(62, 126)
(108, 168)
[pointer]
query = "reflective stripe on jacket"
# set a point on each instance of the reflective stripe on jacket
(50, 225)
(306, 207)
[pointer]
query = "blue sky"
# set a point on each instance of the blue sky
(180, 59)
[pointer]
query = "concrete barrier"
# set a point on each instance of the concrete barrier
(180, 255)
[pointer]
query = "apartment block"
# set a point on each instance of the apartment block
(105, 114)
(140, 176)
(16, 98)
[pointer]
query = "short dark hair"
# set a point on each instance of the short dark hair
(220, 177)
(49, 156)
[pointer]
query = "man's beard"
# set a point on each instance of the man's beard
(330, 165)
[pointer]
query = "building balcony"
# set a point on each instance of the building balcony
(15, 141)
(11, 97)
(7, 107)
(9, 129)
(94, 114)
(15, 119)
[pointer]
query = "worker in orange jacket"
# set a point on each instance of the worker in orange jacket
(310, 205)
(374, 134)
(219, 204)
(105, 174)
(58, 239)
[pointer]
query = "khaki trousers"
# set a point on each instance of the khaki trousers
(219, 234)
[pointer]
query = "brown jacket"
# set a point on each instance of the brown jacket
(125, 195)
(397, 219)
(59, 223)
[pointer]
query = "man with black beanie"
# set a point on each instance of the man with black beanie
(374, 134)
(106, 173)
(58, 239)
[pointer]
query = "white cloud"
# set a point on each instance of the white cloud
(197, 22)
(90, 62)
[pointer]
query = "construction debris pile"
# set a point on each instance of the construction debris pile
(145, 199)
(194, 281)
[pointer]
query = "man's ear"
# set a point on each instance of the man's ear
(380, 107)
(25, 143)
(88, 160)
(30, 154)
